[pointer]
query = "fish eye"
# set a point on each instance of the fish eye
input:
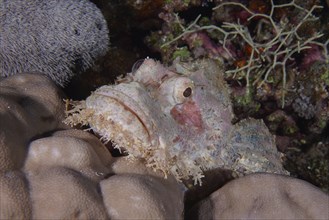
(187, 92)
(183, 89)
(176, 90)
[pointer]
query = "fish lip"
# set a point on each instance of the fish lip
(132, 106)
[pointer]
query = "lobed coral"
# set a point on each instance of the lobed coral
(260, 195)
(48, 171)
(57, 38)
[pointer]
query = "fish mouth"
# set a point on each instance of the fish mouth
(130, 123)
(133, 112)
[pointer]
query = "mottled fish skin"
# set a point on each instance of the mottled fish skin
(179, 120)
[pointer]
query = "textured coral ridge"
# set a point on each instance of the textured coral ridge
(55, 37)
(178, 119)
(48, 171)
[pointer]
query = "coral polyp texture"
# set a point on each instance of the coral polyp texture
(55, 37)
(178, 120)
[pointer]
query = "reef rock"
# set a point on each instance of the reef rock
(179, 120)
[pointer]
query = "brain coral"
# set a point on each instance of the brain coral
(56, 37)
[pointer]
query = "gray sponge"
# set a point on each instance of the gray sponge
(54, 37)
